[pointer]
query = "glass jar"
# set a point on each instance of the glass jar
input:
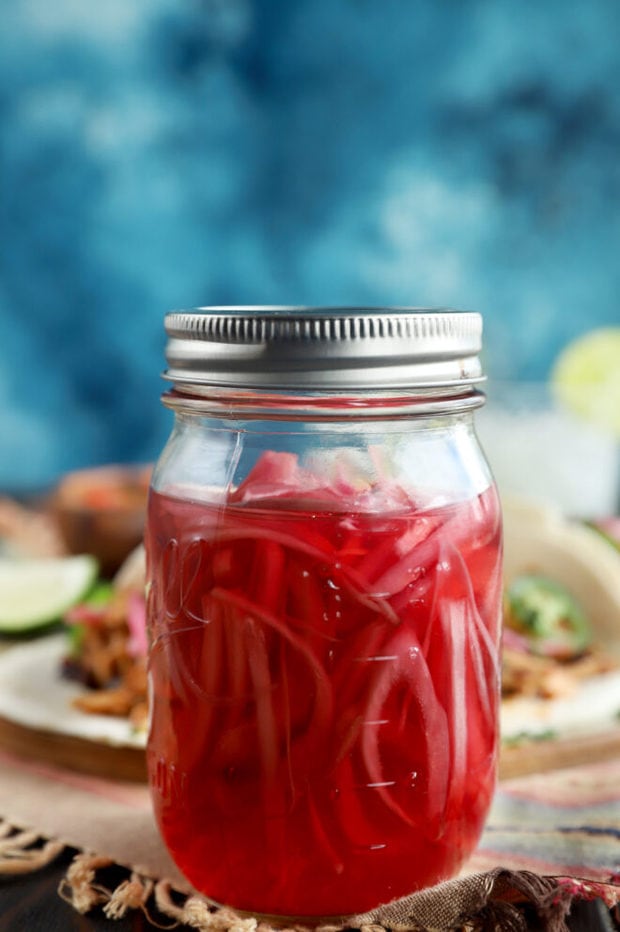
(324, 591)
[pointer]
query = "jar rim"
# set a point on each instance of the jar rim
(282, 348)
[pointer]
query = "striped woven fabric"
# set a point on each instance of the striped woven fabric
(562, 822)
(550, 839)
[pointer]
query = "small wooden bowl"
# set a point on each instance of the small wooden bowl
(102, 511)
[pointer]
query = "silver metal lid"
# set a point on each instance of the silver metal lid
(323, 349)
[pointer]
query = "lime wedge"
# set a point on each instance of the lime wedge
(35, 593)
(586, 378)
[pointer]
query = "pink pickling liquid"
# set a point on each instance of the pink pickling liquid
(325, 690)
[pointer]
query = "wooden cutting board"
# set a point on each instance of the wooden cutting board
(539, 756)
(80, 754)
(129, 763)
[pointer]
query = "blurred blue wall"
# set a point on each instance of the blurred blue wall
(168, 153)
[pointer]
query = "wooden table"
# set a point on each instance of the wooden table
(31, 904)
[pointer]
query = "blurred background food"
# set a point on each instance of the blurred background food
(561, 607)
(28, 531)
(544, 452)
(98, 511)
(102, 511)
(107, 645)
(558, 442)
(188, 152)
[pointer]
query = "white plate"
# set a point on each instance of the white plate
(594, 707)
(34, 694)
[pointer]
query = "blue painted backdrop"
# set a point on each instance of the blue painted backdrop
(166, 153)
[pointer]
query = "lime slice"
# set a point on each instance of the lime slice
(35, 593)
(586, 378)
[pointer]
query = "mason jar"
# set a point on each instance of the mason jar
(324, 592)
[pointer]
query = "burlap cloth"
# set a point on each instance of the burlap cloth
(550, 839)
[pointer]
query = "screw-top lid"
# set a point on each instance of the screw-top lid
(323, 349)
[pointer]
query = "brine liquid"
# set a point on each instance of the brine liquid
(324, 697)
